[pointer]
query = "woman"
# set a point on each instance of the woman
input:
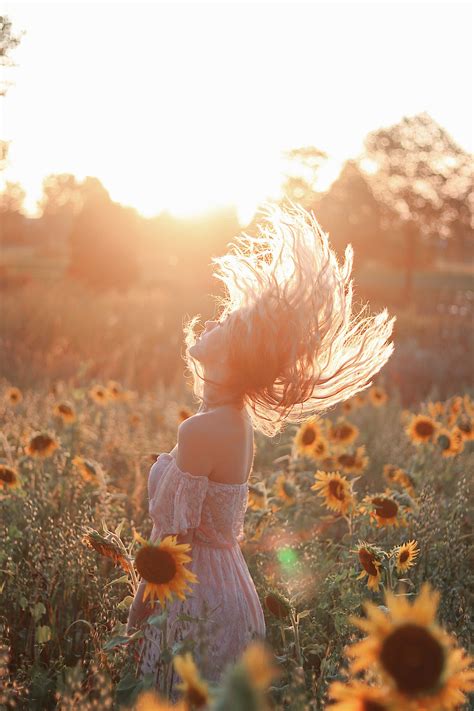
(285, 347)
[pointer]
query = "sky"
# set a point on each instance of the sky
(191, 106)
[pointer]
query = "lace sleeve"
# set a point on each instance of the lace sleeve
(175, 499)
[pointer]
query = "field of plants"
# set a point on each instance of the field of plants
(358, 537)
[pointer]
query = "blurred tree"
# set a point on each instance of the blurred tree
(427, 182)
(350, 213)
(303, 174)
(62, 194)
(13, 221)
(8, 41)
(103, 241)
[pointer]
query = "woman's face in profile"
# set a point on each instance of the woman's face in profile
(210, 346)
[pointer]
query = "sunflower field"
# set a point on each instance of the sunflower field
(358, 537)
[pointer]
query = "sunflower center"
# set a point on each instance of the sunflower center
(342, 432)
(385, 508)
(404, 555)
(414, 658)
(444, 441)
(155, 565)
(370, 705)
(424, 428)
(309, 435)
(7, 475)
(367, 561)
(195, 697)
(336, 489)
(347, 460)
(41, 442)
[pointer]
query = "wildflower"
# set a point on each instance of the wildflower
(405, 555)
(343, 432)
(195, 689)
(162, 566)
(421, 429)
(9, 478)
(286, 489)
(41, 445)
(358, 696)
(65, 411)
(89, 470)
(450, 442)
(383, 509)
(335, 489)
(371, 560)
(307, 435)
(13, 395)
(278, 605)
(99, 395)
(257, 497)
(377, 396)
(416, 658)
(353, 462)
(107, 548)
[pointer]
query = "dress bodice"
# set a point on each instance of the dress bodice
(180, 502)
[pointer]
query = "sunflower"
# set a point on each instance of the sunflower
(285, 489)
(258, 662)
(195, 689)
(466, 428)
(278, 605)
(152, 701)
(377, 396)
(371, 560)
(89, 470)
(335, 489)
(397, 475)
(306, 436)
(184, 413)
(320, 448)
(360, 400)
(41, 445)
(421, 429)
(382, 508)
(343, 432)
(416, 658)
(65, 411)
(358, 696)
(347, 406)
(9, 478)
(257, 497)
(353, 462)
(468, 405)
(106, 547)
(405, 555)
(162, 566)
(13, 395)
(450, 442)
(435, 409)
(115, 390)
(99, 395)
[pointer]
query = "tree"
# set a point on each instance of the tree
(7, 42)
(62, 195)
(351, 213)
(13, 222)
(103, 244)
(426, 180)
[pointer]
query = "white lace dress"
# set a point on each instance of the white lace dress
(212, 515)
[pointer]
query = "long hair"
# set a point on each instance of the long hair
(294, 347)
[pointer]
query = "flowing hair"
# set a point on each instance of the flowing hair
(294, 348)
